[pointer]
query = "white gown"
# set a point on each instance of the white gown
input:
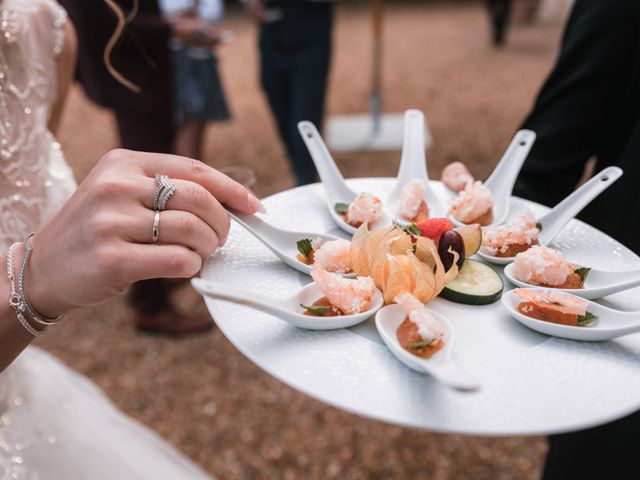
(54, 423)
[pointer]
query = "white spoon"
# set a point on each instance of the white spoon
(598, 284)
(335, 187)
(281, 242)
(557, 218)
(287, 309)
(609, 324)
(441, 366)
(413, 165)
(503, 178)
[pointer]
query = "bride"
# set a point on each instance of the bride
(91, 243)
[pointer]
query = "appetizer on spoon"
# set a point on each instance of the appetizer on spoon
(412, 198)
(501, 244)
(544, 267)
(488, 203)
(564, 315)
(422, 339)
(298, 249)
(329, 303)
(348, 209)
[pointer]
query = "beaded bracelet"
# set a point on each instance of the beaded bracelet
(15, 300)
(18, 299)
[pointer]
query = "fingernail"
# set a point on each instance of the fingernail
(255, 204)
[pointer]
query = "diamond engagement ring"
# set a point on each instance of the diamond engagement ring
(165, 188)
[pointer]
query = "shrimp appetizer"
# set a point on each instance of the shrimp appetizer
(365, 208)
(456, 176)
(412, 206)
(474, 204)
(546, 267)
(342, 296)
(334, 255)
(509, 240)
(555, 307)
(420, 334)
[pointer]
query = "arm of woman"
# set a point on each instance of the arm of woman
(65, 65)
(100, 242)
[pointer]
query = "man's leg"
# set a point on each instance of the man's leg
(311, 70)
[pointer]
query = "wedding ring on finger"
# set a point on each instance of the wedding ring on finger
(155, 230)
(164, 190)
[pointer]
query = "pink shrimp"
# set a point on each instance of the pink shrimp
(334, 256)
(472, 202)
(348, 295)
(563, 302)
(411, 198)
(456, 176)
(364, 208)
(429, 328)
(542, 266)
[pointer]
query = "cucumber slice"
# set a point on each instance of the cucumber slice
(476, 284)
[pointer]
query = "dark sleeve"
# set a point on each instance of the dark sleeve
(574, 112)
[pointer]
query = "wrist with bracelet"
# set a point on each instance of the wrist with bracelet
(33, 322)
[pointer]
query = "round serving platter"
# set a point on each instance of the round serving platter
(531, 384)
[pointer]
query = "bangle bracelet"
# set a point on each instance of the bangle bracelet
(39, 319)
(15, 301)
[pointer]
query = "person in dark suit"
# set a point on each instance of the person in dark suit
(589, 107)
(134, 82)
(295, 55)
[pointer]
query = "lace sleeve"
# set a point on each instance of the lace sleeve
(59, 20)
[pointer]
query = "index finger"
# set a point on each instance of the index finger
(224, 189)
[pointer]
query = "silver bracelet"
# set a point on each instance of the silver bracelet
(14, 299)
(39, 319)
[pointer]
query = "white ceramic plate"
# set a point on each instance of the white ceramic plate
(531, 383)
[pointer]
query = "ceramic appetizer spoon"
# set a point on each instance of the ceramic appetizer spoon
(598, 284)
(413, 165)
(441, 366)
(287, 309)
(500, 183)
(557, 218)
(281, 242)
(336, 189)
(609, 324)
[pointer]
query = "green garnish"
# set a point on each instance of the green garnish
(419, 344)
(305, 247)
(412, 229)
(539, 226)
(341, 208)
(316, 309)
(583, 272)
(587, 319)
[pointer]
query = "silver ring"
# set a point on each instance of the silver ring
(155, 231)
(163, 192)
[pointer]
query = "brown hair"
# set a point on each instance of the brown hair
(122, 23)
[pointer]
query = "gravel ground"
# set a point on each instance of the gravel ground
(199, 392)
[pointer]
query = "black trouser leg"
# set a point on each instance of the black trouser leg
(499, 14)
(307, 100)
(150, 132)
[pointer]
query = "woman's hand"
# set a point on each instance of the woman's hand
(100, 242)
(195, 32)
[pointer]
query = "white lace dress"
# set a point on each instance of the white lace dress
(54, 423)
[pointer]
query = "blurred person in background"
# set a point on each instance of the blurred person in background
(138, 89)
(198, 93)
(589, 107)
(295, 55)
